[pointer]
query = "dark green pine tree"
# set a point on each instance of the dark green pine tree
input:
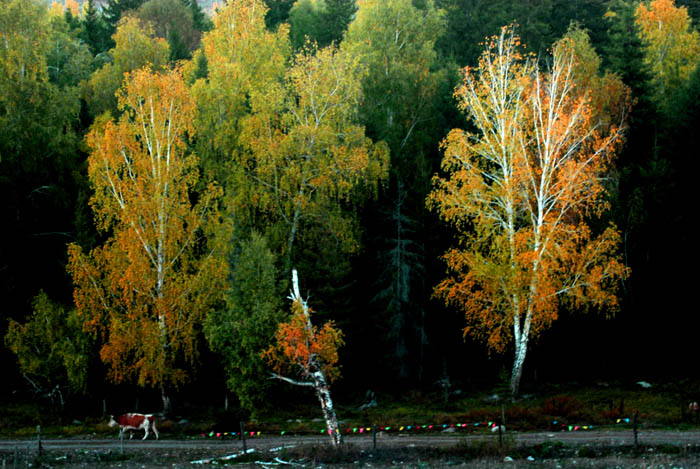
(693, 7)
(278, 12)
(93, 30)
(178, 48)
(113, 12)
(200, 19)
(335, 20)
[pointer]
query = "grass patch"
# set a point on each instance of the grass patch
(552, 408)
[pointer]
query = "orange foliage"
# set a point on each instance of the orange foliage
(56, 8)
(304, 348)
(73, 7)
(521, 189)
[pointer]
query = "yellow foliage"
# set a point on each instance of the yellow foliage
(672, 45)
(146, 290)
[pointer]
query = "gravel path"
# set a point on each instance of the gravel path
(77, 452)
(609, 438)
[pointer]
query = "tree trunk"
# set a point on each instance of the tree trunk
(317, 377)
(167, 405)
(324, 397)
(518, 362)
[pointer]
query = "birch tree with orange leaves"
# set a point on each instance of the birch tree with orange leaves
(146, 290)
(310, 353)
(520, 191)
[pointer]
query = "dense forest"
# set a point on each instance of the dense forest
(166, 164)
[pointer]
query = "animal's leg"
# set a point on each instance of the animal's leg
(155, 430)
(145, 427)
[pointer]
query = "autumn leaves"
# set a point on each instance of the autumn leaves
(520, 191)
(282, 136)
(146, 290)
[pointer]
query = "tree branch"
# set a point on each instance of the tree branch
(291, 381)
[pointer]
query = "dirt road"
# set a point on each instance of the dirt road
(608, 438)
(77, 452)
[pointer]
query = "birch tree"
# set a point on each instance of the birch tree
(311, 353)
(672, 45)
(246, 64)
(146, 290)
(521, 192)
(305, 157)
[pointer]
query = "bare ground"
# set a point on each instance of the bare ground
(540, 450)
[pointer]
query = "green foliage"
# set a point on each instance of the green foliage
(136, 46)
(200, 19)
(51, 348)
(305, 22)
(306, 160)
(172, 20)
(244, 72)
(69, 60)
(278, 12)
(246, 326)
(321, 21)
(39, 110)
(113, 12)
(671, 47)
(395, 41)
(93, 29)
(336, 19)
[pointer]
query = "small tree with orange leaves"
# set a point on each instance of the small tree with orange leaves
(146, 290)
(311, 353)
(520, 192)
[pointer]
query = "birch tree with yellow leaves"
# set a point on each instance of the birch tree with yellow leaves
(672, 45)
(146, 290)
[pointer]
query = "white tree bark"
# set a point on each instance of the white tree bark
(314, 374)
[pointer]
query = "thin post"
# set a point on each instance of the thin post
(634, 429)
(374, 437)
(121, 443)
(245, 446)
(38, 439)
(16, 461)
(501, 426)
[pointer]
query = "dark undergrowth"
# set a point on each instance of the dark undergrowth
(551, 408)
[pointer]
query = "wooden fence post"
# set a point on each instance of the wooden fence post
(634, 429)
(501, 426)
(38, 439)
(374, 437)
(245, 447)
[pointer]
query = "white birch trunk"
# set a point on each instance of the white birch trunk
(518, 361)
(318, 380)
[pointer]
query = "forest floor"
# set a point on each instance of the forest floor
(558, 427)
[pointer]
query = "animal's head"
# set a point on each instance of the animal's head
(112, 422)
